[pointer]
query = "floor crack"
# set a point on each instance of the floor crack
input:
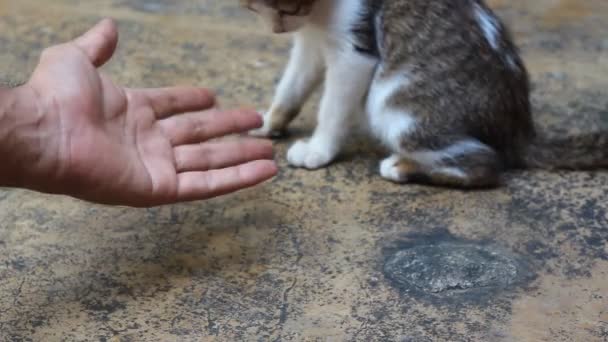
(285, 307)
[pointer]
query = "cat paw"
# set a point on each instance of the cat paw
(262, 132)
(309, 155)
(389, 170)
(266, 131)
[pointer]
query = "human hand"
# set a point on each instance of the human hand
(107, 144)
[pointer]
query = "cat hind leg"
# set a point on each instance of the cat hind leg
(465, 164)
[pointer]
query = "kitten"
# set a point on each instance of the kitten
(441, 81)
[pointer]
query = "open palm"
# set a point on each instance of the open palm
(136, 147)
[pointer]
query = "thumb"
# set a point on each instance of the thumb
(99, 43)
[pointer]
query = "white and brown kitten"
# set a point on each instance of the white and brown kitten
(441, 81)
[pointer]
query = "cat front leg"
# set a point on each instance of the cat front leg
(302, 75)
(347, 81)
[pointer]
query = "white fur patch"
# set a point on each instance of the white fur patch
(379, 30)
(389, 124)
(462, 148)
(383, 89)
(489, 25)
(453, 151)
(491, 30)
(452, 171)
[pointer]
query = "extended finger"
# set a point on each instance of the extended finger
(221, 154)
(208, 184)
(198, 127)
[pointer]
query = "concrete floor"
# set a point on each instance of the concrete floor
(302, 258)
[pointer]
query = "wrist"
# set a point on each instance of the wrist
(23, 128)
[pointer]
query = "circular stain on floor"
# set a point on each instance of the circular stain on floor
(452, 266)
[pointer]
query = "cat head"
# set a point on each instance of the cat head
(281, 15)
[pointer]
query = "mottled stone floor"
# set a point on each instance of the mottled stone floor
(302, 258)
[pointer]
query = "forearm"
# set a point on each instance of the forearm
(21, 136)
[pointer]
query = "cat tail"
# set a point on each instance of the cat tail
(581, 152)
